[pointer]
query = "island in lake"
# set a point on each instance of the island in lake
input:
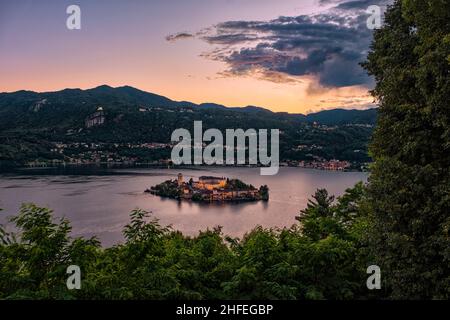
(208, 188)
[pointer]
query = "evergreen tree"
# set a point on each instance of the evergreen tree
(410, 179)
(316, 220)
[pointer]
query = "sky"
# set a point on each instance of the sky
(294, 56)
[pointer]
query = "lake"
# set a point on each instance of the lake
(98, 202)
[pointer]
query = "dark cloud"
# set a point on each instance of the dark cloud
(326, 2)
(351, 4)
(358, 4)
(178, 36)
(228, 39)
(328, 46)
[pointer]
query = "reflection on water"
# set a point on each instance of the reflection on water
(98, 202)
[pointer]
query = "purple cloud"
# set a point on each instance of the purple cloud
(328, 46)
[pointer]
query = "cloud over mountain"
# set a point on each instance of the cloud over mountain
(327, 47)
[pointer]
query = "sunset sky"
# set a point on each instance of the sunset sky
(284, 55)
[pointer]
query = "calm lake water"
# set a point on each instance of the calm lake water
(98, 202)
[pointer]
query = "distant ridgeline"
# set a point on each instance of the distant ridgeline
(210, 189)
(124, 124)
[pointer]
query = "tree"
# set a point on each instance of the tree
(317, 220)
(409, 183)
(34, 266)
(264, 192)
(332, 255)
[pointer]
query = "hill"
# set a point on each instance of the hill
(32, 123)
(343, 116)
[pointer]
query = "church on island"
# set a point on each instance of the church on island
(208, 188)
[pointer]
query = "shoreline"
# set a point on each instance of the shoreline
(118, 165)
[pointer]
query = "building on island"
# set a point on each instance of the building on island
(210, 183)
(180, 179)
(217, 189)
(208, 188)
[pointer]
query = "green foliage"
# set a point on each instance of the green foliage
(317, 220)
(155, 262)
(264, 192)
(167, 188)
(236, 184)
(335, 246)
(35, 266)
(410, 180)
(197, 197)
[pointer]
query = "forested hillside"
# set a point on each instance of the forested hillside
(31, 123)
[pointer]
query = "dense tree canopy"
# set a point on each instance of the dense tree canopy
(410, 180)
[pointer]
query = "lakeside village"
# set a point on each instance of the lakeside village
(80, 153)
(158, 154)
(209, 189)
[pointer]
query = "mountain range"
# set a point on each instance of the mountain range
(19, 104)
(32, 124)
